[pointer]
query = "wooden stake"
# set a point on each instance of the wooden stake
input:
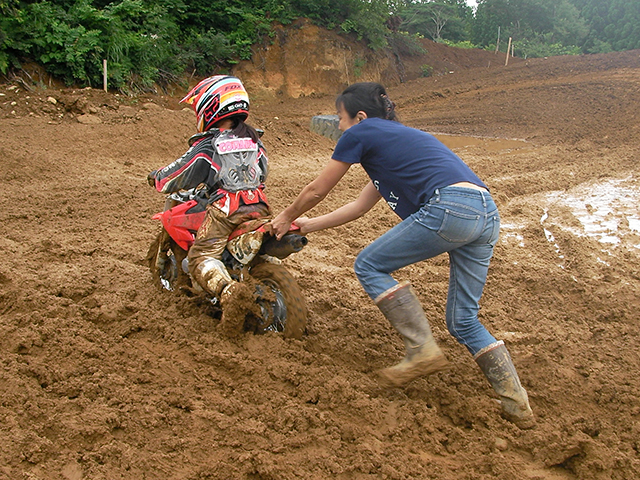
(506, 61)
(498, 41)
(104, 74)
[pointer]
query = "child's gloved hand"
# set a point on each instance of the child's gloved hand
(151, 178)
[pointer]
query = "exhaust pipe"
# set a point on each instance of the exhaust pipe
(288, 244)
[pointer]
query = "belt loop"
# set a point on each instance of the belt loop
(484, 200)
(437, 195)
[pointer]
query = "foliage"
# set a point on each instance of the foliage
(367, 20)
(426, 70)
(207, 52)
(151, 42)
(358, 65)
(402, 43)
(147, 42)
(613, 24)
(466, 44)
(538, 47)
(544, 27)
(439, 19)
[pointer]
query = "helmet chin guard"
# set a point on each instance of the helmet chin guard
(216, 98)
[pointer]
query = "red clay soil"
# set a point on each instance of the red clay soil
(104, 377)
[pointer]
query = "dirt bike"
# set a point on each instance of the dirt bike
(281, 304)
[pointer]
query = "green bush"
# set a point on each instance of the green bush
(54, 38)
(427, 70)
(537, 48)
(207, 52)
(466, 44)
(142, 43)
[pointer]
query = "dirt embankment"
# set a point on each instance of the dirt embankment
(103, 377)
(304, 60)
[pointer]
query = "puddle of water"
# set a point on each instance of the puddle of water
(510, 231)
(608, 211)
(488, 144)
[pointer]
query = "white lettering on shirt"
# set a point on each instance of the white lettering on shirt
(392, 196)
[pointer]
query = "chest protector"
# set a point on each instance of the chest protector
(240, 175)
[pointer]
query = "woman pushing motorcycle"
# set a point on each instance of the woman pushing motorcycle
(228, 161)
(444, 207)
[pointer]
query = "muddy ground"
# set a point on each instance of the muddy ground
(103, 377)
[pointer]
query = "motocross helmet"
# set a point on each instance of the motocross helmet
(216, 98)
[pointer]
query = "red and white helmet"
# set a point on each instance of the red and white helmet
(216, 98)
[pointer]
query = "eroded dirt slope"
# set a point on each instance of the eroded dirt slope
(103, 377)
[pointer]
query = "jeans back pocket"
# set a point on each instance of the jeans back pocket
(458, 227)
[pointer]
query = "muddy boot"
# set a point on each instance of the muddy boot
(403, 310)
(495, 362)
(236, 299)
(212, 276)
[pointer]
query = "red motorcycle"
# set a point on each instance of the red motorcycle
(281, 304)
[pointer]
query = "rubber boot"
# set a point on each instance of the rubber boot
(495, 362)
(402, 308)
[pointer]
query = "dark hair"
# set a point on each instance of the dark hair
(239, 129)
(243, 130)
(369, 97)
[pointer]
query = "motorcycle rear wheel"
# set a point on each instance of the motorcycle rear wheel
(288, 312)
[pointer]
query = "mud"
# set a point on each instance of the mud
(104, 377)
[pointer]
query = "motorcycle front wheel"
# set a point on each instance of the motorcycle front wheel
(282, 303)
(165, 262)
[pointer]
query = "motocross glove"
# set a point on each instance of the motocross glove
(151, 178)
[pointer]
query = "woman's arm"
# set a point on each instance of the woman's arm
(345, 214)
(310, 196)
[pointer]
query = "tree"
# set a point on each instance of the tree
(531, 23)
(568, 27)
(438, 19)
(614, 24)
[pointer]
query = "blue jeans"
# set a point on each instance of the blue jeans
(460, 221)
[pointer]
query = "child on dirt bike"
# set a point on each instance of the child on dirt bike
(226, 160)
(444, 207)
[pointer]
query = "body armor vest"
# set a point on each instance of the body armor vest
(241, 174)
(239, 165)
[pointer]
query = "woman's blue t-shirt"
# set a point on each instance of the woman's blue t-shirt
(406, 165)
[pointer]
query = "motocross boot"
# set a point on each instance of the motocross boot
(402, 308)
(212, 275)
(235, 298)
(495, 362)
